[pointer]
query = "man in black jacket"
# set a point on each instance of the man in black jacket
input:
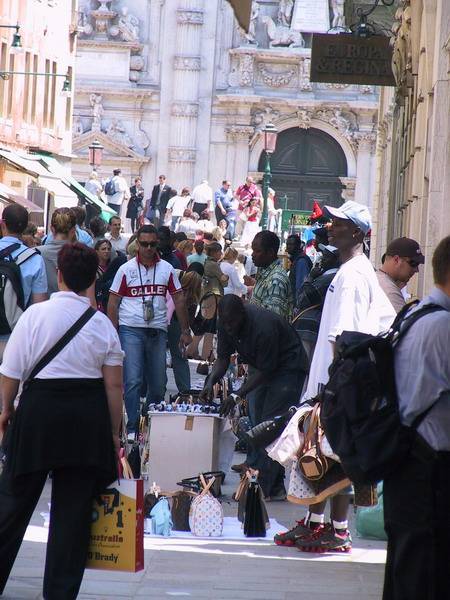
(156, 206)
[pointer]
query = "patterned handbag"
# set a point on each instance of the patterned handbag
(206, 513)
(304, 491)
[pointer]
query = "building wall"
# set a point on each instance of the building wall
(32, 112)
(186, 78)
(413, 175)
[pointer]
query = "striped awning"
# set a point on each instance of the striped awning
(242, 10)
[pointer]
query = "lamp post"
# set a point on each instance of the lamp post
(16, 45)
(270, 141)
(95, 154)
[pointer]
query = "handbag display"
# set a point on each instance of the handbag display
(161, 517)
(206, 513)
(311, 461)
(306, 492)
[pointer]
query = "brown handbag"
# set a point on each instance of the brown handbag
(311, 462)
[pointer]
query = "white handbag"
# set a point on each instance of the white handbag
(284, 449)
(206, 513)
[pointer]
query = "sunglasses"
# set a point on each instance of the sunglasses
(148, 244)
(412, 263)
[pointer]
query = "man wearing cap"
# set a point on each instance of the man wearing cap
(354, 302)
(401, 261)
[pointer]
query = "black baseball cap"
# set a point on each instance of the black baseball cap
(406, 248)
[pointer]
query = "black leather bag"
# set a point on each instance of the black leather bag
(267, 432)
(256, 520)
(194, 483)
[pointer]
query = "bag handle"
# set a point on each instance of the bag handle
(206, 486)
(302, 312)
(61, 343)
(126, 469)
(312, 427)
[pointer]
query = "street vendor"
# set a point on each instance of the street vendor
(266, 342)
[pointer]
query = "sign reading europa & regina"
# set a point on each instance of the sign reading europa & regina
(348, 58)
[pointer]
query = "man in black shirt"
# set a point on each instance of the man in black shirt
(272, 347)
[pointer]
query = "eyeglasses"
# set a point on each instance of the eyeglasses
(148, 244)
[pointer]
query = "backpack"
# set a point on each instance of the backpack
(12, 300)
(360, 413)
(110, 187)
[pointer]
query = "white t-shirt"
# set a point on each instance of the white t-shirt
(151, 285)
(202, 194)
(235, 285)
(43, 324)
(178, 205)
(354, 302)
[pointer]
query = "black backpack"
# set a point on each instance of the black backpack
(360, 414)
(12, 300)
(110, 187)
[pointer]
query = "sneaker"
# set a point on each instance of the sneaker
(326, 540)
(301, 530)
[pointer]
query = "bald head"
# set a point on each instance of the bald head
(232, 314)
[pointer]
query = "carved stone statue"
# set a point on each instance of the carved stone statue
(337, 7)
(128, 26)
(77, 126)
(279, 35)
(116, 131)
(285, 12)
(97, 111)
(250, 36)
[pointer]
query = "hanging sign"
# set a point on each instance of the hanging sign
(348, 58)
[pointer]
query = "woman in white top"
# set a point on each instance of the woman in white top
(177, 205)
(67, 421)
(228, 267)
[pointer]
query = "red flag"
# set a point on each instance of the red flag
(317, 211)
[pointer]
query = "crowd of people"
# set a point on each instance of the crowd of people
(188, 289)
(226, 213)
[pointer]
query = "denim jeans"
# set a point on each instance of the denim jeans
(231, 231)
(145, 352)
(180, 365)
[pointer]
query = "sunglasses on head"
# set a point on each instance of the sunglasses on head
(148, 244)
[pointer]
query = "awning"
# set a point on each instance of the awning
(242, 11)
(54, 167)
(30, 165)
(64, 197)
(9, 194)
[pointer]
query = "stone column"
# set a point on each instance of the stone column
(184, 108)
(238, 137)
(364, 165)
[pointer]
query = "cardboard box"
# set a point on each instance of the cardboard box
(181, 445)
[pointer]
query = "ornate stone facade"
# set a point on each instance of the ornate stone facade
(188, 93)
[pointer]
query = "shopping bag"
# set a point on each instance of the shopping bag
(117, 531)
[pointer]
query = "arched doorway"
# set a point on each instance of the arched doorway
(306, 166)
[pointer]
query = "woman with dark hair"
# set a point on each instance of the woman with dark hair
(136, 203)
(98, 228)
(107, 269)
(68, 357)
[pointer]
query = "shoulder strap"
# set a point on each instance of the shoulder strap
(9, 250)
(25, 255)
(62, 342)
(404, 324)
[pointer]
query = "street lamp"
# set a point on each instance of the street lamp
(16, 45)
(95, 154)
(270, 141)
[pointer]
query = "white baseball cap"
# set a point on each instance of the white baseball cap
(353, 211)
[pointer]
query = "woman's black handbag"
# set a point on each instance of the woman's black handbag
(267, 432)
(134, 460)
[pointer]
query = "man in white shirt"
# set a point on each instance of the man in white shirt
(354, 302)
(121, 191)
(177, 205)
(118, 242)
(202, 196)
(138, 307)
